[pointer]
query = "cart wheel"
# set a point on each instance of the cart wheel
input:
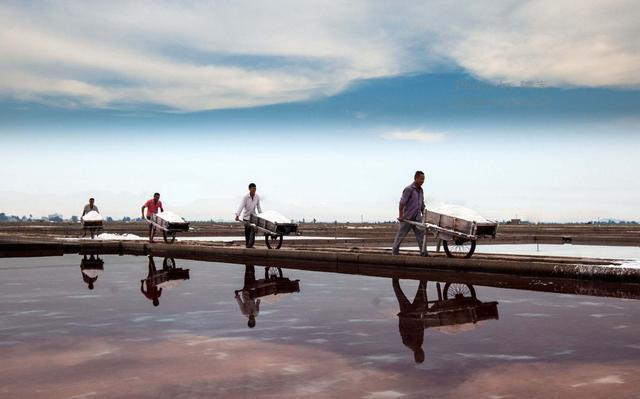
(458, 291)
(169, 236)
(168, 263)
(252, 238)
(273, 241)
(459, 248)
(271, 272)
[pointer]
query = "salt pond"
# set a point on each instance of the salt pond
(339, 336)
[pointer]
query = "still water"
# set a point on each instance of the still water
(115, 327)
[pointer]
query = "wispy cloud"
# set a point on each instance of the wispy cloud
(414, 135)
(196, 56)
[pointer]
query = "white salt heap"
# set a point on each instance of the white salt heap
(274, 217)
(92, 216)
(460, 212)
(170, 217)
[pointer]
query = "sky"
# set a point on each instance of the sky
(527, 109)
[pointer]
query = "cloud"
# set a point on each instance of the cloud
(192, 56)
(414, 135)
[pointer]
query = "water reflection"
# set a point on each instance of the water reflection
(457, 309)
(169, 276)
(273, 284)
(91, 267)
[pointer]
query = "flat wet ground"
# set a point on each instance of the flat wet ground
(315, 335)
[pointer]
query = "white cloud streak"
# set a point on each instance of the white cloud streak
(418, 135)
(192, 56)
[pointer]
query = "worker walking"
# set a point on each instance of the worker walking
(152, 206)
(248, 206)
(411, 208)
(90, 207)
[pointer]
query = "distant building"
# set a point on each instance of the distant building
(514, 221)
(55, 217)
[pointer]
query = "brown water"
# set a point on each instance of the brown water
(322, 335)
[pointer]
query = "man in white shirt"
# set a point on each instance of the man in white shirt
(90, 207)
(248, 206)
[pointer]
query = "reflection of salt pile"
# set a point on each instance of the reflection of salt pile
(460, 212)
(274, 217)
(456, 328)
(91, 273)
(170, 217)
(169, 284)
(272, 299)
(92, 216)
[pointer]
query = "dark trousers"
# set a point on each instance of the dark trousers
(247, 236)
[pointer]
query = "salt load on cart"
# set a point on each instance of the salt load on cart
(274, 225)
(170, 224)
(91, 222)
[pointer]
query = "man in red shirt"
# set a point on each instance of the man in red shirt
(152, 208)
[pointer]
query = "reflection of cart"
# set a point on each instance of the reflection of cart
(274, 283)
(456, 309)
(92, 226)
(93, 262)
(169, 228)
(163, 277)
(457, 305)
(458, 235)
(273, 231)
(169, 273)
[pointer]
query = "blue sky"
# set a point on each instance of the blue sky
(506, 108)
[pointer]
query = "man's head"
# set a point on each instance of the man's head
(252, 188)
(91, 201)
(156, 197)
(418, 178)
(252, 321)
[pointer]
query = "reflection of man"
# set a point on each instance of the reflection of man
(249, 306)
(89, 275)
(152, 291)
(411, 323)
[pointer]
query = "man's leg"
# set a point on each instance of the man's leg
(420, 301)
(247, 235)
(402, 233)
(419, 238)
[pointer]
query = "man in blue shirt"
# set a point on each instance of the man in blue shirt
(411, 208)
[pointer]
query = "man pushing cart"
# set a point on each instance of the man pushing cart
(272, 224)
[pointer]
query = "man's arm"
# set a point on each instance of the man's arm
(161, 207)
(239, 212)
(406, 193)
(142, 210)
(258, 206)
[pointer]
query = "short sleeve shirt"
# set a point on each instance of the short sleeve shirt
(152, 207)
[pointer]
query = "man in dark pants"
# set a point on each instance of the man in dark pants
(411, 208)
(248, 206)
